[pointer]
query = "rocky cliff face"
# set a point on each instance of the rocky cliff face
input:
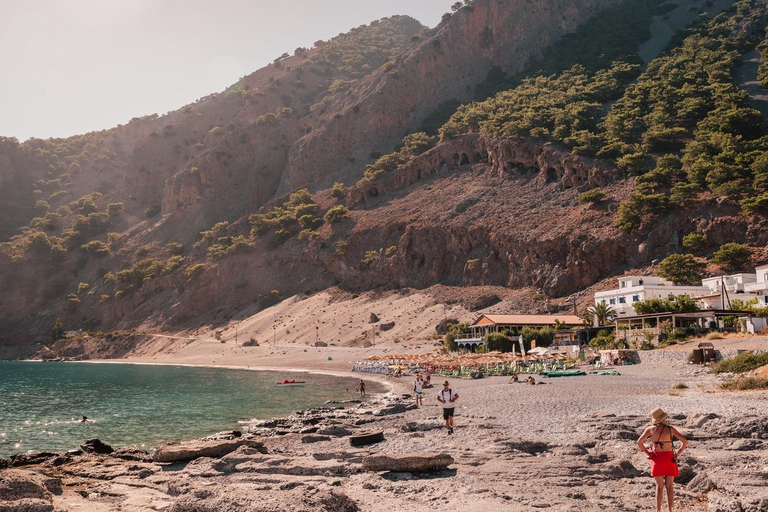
(456, 56)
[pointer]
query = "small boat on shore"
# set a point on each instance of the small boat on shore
(291, 383)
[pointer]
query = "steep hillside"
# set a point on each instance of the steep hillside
(374, 115)
(577, 163)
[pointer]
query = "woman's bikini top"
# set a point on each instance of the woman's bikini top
(659, 444)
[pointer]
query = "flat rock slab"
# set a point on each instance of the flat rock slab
(182, 452)
(408, 462)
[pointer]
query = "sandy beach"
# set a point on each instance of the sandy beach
(565, 444)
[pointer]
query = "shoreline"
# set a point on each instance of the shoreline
(573, 435)
(389, 390)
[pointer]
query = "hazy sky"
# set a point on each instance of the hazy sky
(74, 66)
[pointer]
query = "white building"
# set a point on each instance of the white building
(726, 289)
(759, 288)
(636, 288)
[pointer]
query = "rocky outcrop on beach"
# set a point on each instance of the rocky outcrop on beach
(184, 452)
(498, 459)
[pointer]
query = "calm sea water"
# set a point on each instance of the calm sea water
(41, 404)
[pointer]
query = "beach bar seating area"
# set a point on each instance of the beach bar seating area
(467, 365)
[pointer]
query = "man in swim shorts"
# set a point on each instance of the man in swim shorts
(448, 398)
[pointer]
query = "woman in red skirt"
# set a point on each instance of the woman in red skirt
(662, 455)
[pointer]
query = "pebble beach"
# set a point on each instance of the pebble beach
(564, 444)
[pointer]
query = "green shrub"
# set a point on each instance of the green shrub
(741, 363)
(195, 270)
(682, 269)
(745, 383)
(595, 195)
(341, 248)
(115, 209)
(733, 255)
(99, 249)
(753, 205)
(497, 341)
(338, 191)
(370, 257)
(694, 242)
(391, 251)
(680, 385)
(308, 235)
(152, 211)
(673, 304)
(175, 248)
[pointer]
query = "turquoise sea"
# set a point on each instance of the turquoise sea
(41, 404)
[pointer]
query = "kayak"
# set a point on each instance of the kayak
(291, 383)
(563, 373)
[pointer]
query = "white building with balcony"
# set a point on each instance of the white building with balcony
(636, 288)
(726, 289)
(759, 288)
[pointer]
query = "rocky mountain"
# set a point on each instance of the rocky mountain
(352, 164)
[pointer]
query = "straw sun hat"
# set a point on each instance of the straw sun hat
(658, 415)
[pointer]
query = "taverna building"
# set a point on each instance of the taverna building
(636, 288)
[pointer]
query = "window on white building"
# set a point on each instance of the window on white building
(622, 300)
(613, 301)
(635, 298)
(623, 284)
(640, 282)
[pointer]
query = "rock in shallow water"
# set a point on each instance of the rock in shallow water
(408, 462)
(96, 446)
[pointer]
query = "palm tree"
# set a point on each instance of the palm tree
(602, 312)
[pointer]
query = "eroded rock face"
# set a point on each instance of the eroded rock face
(27, 492)
(408, 462)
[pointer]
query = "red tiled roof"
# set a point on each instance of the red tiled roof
(528, 319)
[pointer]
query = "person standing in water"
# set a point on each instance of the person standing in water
(361, 387)
(662, 455)
(448, 399)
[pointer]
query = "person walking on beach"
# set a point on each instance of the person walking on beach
(662, 455)
(361, 387)
(448, 398)
(418, 389)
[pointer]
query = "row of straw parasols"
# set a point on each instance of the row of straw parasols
(464, 360)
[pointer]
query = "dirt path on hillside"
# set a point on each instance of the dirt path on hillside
(745, 77)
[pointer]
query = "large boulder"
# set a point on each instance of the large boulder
(182, 452)
(408, 462)
(96, 446)
(701, 484)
